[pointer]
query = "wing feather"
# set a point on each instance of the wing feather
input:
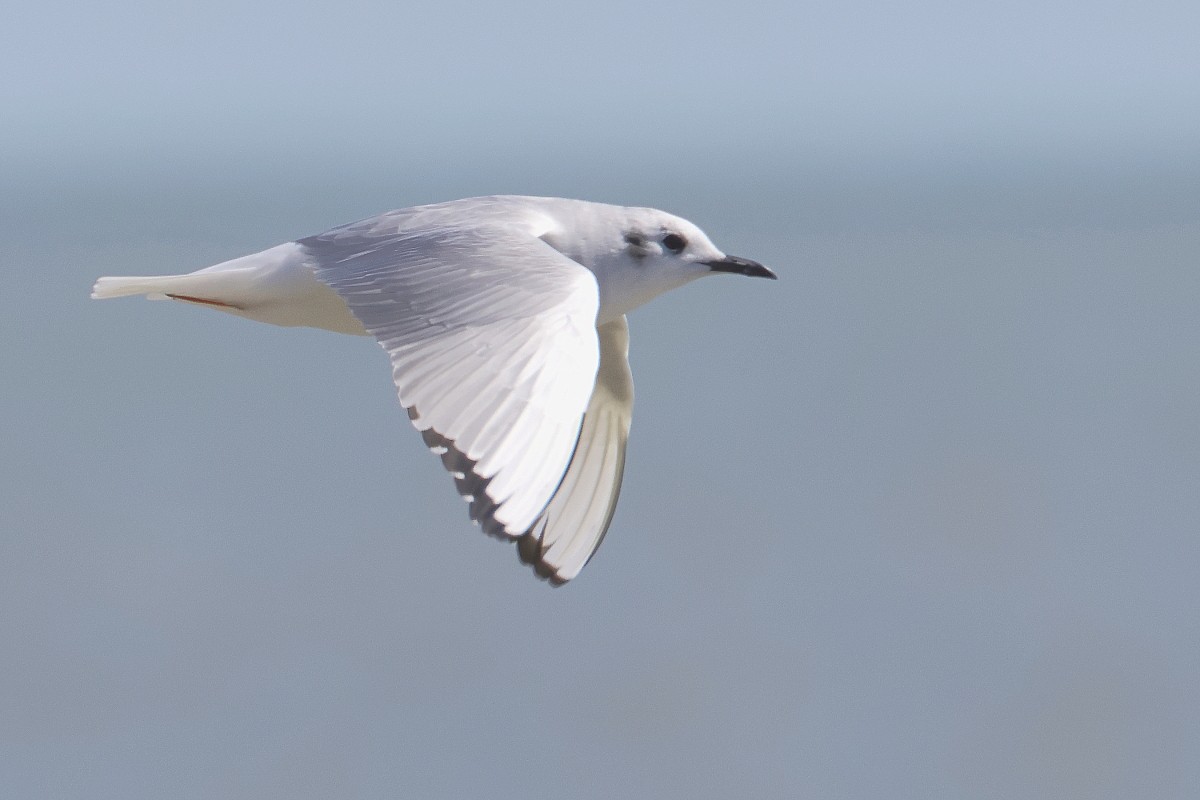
(570, 529)
(492, 338)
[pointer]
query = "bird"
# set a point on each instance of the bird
(504, 318)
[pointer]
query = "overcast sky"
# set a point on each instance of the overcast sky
(778, 80)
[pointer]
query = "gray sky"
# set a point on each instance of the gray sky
(918, 520)
(179, 83)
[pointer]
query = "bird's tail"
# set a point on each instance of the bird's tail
(155, 288)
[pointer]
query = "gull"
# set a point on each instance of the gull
(504, 319)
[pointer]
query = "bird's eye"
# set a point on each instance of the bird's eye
(674, 242)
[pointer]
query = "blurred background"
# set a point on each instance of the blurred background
(917, 521)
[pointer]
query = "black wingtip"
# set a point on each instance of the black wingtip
(529, 551)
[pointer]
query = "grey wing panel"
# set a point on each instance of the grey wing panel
(570, 530)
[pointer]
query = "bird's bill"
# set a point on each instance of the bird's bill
(741, 266)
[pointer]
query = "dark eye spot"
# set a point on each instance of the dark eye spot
(635, 239)
(674, 242)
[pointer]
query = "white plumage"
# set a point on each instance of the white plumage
(504, 321)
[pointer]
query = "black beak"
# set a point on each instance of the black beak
(741, 266)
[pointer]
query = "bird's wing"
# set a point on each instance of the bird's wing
(492, 338)
(569, 531)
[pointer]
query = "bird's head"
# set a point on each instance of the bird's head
(640, 253)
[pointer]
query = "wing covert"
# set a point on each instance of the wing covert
(492, 338)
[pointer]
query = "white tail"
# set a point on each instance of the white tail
(275, 286)
(156, 288)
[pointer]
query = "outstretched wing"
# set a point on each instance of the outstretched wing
(492, 338)
(571, 528)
